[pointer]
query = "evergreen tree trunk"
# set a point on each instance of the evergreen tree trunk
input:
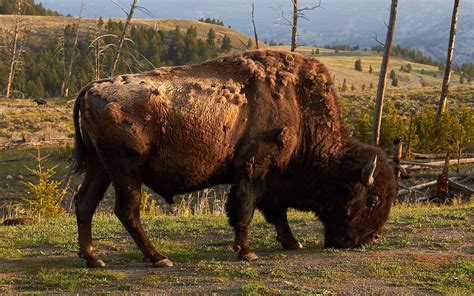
(254, 26)
(14, 52)
(294, 26)
(449, 62)
(377, 122)
(122, 38)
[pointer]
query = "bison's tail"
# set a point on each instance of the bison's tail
(79, 154)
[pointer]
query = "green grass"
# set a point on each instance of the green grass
(424, 249)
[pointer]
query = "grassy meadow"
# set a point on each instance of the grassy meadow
(341, 65)
(424, 250)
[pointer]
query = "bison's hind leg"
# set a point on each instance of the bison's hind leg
(127, 209)
(277, 216)
(96, 181)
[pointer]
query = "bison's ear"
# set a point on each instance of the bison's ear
(368, 172)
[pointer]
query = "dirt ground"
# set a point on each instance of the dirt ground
(424, 250)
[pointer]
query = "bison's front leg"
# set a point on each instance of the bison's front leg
(277, 216)
(127, 209)
(240, 209)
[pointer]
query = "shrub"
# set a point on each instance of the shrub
(395, 82)
(424, 128)
(344, 86)
(147, 204)
(363, 128)
(45, 193)
(392, 74)
(392, 126)
(454, 128)
(358, 65)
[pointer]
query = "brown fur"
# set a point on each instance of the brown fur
(267, 122)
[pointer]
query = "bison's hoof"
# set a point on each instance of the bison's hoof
(292, 246)
(236, 247)
(251, 256)
(95, 263)
(163, 263)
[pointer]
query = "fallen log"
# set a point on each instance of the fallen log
(15, 144)
(437, 164)
(436, 156)
(461, 187)
(421, 186)
(18, 221)
(429, 176)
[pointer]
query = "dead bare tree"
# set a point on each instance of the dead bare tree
(254, 26)
(410, 130)
(15, 50)
(99, 47)
(292, 20)
(68, 67)
(122, 38)
(377, 122)
(397, 149)
(449, 62)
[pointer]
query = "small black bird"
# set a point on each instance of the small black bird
(40, 102)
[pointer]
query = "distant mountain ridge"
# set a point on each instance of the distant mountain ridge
(29, 8)
(421, 24)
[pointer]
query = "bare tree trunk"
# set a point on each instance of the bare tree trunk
(122, 38)
(442, 184)
(407, 151)
(294, 26)
(449, 62)
(67, 77)
(254, 26)
(97, 53)
(397, 149)
(97, 62)
(383, 74)
(14, 52)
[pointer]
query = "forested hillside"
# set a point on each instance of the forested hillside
(44, 61)
(30, 8)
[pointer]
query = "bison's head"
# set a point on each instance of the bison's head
(360, 200)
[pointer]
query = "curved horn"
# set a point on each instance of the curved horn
(368, 172)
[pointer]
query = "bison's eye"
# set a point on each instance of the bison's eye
(372, 201)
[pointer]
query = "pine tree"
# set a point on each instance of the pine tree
(344, 86)
(392, 74)
(211, 38)
(226, 45)
(358, 65)
(370, 69)
(249, 43)
(395, 82)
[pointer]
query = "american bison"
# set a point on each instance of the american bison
(267, 122)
